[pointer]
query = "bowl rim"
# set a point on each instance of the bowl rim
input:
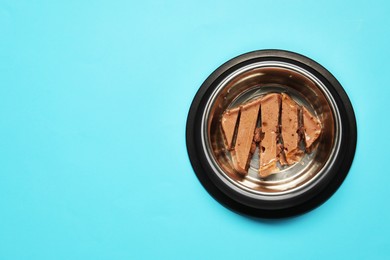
(278, 206)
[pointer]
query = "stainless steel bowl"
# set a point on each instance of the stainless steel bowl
(255, 80)
(248, 77)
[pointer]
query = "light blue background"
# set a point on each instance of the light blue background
(94, 97)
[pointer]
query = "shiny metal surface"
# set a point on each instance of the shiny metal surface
(253, 81)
